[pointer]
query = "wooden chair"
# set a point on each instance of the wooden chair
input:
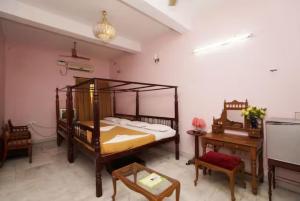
(230, 165)
(16, 138)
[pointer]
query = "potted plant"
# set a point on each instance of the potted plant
(253, 114)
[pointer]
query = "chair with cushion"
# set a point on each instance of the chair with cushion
(230, 165)
(16, 138)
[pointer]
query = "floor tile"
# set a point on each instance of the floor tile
(51, 177)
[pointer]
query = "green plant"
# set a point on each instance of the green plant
(254, 112)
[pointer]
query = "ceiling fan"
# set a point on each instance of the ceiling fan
(74, 54)
(172, 2)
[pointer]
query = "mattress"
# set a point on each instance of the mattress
(117, 138)
(158, 135)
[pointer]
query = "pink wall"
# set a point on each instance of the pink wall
(237, 72)
(2, 73)
(31, 78)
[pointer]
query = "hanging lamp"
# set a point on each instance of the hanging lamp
(103, 29)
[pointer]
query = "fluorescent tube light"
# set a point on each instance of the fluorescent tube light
(229, 41)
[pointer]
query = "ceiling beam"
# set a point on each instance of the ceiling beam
(164, 14)
(33, 16)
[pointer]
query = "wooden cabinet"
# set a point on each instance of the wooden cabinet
(283, 136)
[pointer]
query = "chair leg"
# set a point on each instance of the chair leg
(4, 157)
(30, 153)
(178, 192)
(231, 185)
(242, 170)
(204, 170)
(197, 173)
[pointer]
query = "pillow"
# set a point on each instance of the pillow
(106, 128)
(113, 119)
(138, 124)
(158, 127)
(124, 122)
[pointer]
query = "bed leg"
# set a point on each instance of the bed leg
(58, 139)
(70, 151)
(177, 149)
(98, 178)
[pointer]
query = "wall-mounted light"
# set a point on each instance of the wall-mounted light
(227, 42)
(156, 58)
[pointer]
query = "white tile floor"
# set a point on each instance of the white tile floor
(51, 177)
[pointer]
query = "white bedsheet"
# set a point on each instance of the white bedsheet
(124, 137)
(106, 128)
(158, 135)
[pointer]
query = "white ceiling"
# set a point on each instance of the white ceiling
(136, 21)
(27, 35)
(129, 22)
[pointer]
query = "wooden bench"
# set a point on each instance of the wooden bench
(230, 165)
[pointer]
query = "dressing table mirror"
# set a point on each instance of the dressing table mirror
(231, 117)
(235, 117)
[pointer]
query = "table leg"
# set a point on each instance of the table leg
(261, 167)
(273, 174)
(203, 148)
(270, 177)
(253, 171)
(115, 188)
(197, 174)
(192, 161)
(203, 153)
(197, 147)
(216, 148)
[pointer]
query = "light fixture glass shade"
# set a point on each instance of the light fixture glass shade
(103, 29)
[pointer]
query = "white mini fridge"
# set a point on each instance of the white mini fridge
(283, 140)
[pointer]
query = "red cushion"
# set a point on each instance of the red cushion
(221, 160)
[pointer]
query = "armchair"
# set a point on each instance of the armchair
(15, 138)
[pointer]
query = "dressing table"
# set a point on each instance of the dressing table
(224, 134)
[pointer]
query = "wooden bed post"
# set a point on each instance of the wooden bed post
(137, 106)
(96, 138)
(70, 124)
(58, 137)
(114, 104)
(75, 139)
(176, 126)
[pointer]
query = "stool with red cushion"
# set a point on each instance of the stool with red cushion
(230, 165)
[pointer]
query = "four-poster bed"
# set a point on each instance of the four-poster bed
(88, 137)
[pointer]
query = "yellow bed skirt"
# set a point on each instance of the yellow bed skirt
(110, 148)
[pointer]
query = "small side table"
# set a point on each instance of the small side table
(130, 176)
(196, 134)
